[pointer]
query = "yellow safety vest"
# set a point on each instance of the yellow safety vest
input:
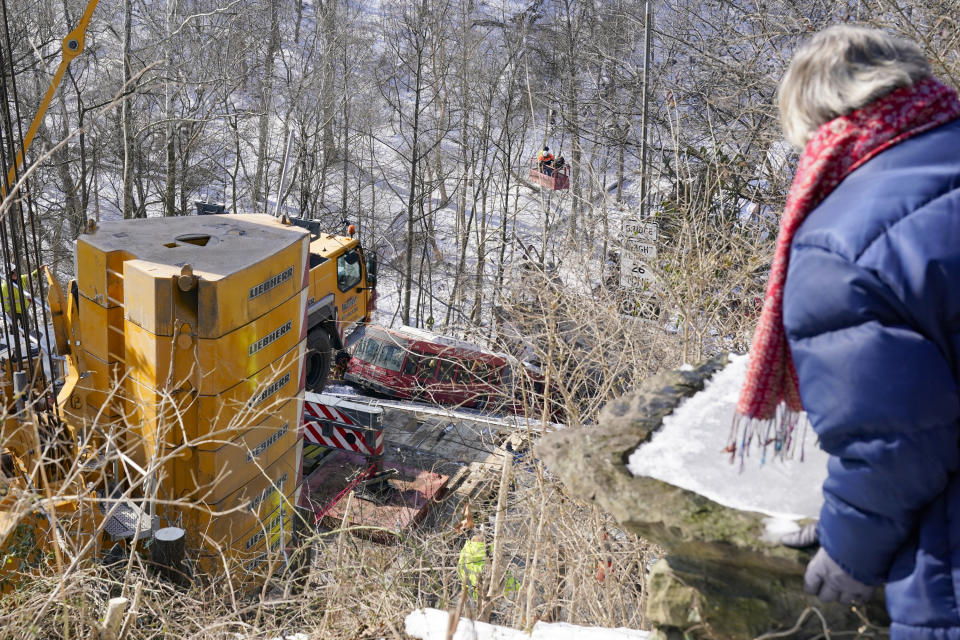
(473, 557)
(13, 299)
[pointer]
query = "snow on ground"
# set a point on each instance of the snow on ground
(688, 452)
(431, 624)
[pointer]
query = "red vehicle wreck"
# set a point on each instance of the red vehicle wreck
(411, 364)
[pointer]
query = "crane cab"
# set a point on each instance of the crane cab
(552, 178)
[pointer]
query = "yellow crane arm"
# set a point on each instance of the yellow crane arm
(58, 312)
(72, 47)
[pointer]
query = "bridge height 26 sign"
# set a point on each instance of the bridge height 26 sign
(639, 251)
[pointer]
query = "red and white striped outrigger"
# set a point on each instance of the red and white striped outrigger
(335, 422)
(393, 496)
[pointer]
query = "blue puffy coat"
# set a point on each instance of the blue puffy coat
(872, 312)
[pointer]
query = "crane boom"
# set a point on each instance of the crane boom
(73, 45)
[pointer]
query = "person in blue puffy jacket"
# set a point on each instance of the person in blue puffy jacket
(862, 317)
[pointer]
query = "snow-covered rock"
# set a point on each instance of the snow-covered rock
(687, 452)
(724, 574)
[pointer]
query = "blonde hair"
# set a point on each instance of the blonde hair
(839, 70)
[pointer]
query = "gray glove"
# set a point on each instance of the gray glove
(825, 579)
(805, 537)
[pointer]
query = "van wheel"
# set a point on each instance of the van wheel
(318, 360)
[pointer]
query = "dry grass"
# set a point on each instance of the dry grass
(355, 588)
(550, 547)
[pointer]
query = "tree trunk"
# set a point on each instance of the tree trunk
(481, 258)
(127, 130)
(346, 156)
(266, 105)
(484, 185)
(328, 96)
(412, 197)
(572, 120)
(73, 207)
(169, 131)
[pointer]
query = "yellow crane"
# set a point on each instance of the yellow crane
(188, 343)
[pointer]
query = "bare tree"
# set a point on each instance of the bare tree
(266, 105)
(411, 91)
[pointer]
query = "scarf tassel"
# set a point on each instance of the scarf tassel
(774, 434)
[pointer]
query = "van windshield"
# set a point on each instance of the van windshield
(390, 356)
(366, 350)
(382, 349)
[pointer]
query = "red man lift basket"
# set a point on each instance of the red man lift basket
(559, 178)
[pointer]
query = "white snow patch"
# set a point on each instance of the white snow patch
(338, 389)
(687, 452)
(431, 624)
(776, 528)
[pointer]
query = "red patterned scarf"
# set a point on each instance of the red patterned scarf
(836, 150)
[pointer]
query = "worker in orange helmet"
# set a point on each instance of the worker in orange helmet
(545, 160)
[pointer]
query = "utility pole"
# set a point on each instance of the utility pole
(644, 120)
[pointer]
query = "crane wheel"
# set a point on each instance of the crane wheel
(319, 358)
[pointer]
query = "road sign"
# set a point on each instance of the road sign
(639, 252)
(635, 276)
(641, 231)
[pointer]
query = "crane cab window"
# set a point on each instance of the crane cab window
(348, 270)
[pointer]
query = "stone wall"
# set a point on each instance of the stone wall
(719, 579)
